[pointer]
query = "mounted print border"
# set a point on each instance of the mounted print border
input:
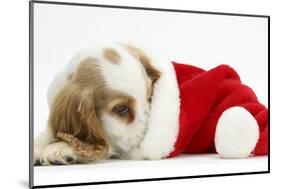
(31, 91)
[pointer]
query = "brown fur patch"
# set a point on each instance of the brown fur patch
(111, 55)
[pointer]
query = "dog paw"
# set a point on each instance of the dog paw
(59, 153)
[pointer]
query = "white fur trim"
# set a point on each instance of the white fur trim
(163, 121)
(237, 133)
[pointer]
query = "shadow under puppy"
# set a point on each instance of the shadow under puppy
(131, 102)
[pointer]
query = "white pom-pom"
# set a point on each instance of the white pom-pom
(237, 133)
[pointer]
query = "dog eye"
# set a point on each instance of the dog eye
(121, 109)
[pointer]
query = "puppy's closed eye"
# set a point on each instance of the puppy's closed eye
(121, 110)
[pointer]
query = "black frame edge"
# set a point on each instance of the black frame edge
(31, 167)
(268, 62)
(148, 8)
(149, 180)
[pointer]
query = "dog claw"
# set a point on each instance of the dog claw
(69, 159)
(56, 162)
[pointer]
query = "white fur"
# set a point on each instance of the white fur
(41, 142)
(237, 133)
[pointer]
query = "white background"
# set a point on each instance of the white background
(14, 93)
(203, 40)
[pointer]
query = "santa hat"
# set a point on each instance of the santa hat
(198, 111)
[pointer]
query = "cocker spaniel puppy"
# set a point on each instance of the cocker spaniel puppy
(98, 106)
(130, 102)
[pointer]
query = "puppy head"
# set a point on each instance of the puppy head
(105, 101)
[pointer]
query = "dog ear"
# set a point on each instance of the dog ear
(73, 119)
(151, 71)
